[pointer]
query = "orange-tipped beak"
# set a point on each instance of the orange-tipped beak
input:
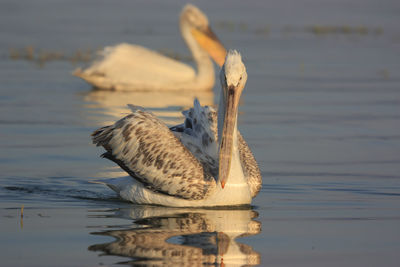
(222, 184)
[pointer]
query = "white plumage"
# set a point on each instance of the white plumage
(133, 67)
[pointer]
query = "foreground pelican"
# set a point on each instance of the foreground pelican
(203, 162)
(132, 67)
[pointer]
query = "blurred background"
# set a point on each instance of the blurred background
(321, 112)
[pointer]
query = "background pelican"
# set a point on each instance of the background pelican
(190, 164)
(133, 67)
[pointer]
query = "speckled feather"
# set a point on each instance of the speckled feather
(250, 166)
(198, 135)
(145, 147)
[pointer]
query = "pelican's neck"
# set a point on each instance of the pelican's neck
(205, 68)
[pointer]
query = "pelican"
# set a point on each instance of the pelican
(203, 162)
(133, 67)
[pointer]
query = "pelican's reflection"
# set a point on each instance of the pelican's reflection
(189, 237)
(166, 105)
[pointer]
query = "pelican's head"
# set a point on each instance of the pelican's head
(197, 22)
(233, 78)
(233, 74)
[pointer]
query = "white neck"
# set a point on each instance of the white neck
(205, 68)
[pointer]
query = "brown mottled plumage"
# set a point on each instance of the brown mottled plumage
(153, 139)
(151, 151)
(250, 166)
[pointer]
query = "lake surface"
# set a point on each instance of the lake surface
(321, 112)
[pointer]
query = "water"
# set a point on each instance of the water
(321, 112)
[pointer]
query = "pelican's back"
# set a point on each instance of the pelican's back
(127, 67)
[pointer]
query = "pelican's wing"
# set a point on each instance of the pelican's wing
(145, 147)
(125, 66)
(250, 166)
(199, 134)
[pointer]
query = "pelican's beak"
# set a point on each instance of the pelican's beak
(210, 42)
(226, 144)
